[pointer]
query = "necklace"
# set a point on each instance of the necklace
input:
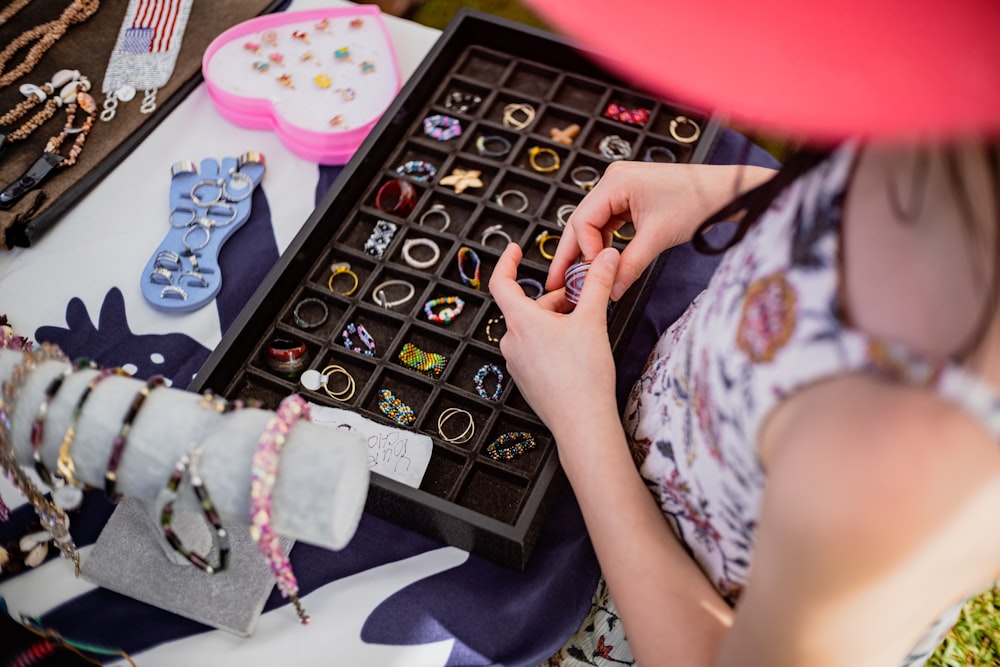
(62, 88)
(43, 36)
(11, 9)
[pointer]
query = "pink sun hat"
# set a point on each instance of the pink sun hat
(877, 69)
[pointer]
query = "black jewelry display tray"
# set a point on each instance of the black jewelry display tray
(466, 499)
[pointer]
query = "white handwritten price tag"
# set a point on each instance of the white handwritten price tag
(393, 452)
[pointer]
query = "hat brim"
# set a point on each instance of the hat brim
(822, 71)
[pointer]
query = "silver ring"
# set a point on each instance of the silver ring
(495, 230)
(585, 177)
(212, 222)
(168, 259)
(662, 151)
(177, 223)
(161, 276)
(614, 147)
(217, 183)
(193, 278)
(208, 237)
(563, 213)
(436, 209)
(183, 167)
(677, 122)
(513, 193)
(465, 435)
(174, 292)
(245, 189)
(380, 299)
(303, 323)
(409, 244)
(483, 145)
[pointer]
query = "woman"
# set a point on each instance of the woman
(808, 469)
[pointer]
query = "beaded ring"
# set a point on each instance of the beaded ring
(510, 445)
(189, 464)
(484, 145)
(380, 299)
(544, 238)
(263, 475)
(464, 436)
(465, 253)
(541, 150)
(338, 268)
(381, 237)
(430, 364)
(438, 210)
(410, 244)
(442, 127)
(324, 312)
(614, 147)
(575, 275)
(479, 381)
(38, 425)
(626, 115)
(462, 102)
(493, 321)
(677, 123)
(365, 337)
(121, 438)
(418, 170)
(445, 315)
(531, 282)
(395, 409)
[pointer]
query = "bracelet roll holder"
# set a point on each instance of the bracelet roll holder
(318, 498)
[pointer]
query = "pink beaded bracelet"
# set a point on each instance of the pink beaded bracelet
(263, 475)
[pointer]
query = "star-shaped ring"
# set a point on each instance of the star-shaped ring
(462, 179)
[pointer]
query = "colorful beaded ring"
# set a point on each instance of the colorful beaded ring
(418, 170)
(510, 445)
(467, 255)
(430, 364)
(395, 409)
(442, 127)
(445, 315)
(479, 381)
(363, 335)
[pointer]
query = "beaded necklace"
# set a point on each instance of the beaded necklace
(43, 36)
(11, 9)
(62, 88)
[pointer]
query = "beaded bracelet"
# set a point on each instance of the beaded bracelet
(365, 337)
(189, 465)
(53, 519)
(442, 127)
(263, 475)
(38, 425)
(445, 315)
(121, 439)
(510, 445)
(430, 364)
(467, 253)
(395, 409)
(480, 377)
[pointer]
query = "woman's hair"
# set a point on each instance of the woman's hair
(756, 201)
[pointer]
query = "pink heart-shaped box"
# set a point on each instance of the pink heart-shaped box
(320, 78)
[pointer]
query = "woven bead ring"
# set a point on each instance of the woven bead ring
(395, 409)
(430, 364)
(418, 170)
(442, 127)
(480, 381)
(510, 445)
(453, 308)
(366, 339)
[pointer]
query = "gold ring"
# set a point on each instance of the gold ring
(542, 239)
(533, 155)
(518, 123)
(338, 268)
(489, 335)
(621, 237)
(684, 120)
(465, 435)
(344, 394)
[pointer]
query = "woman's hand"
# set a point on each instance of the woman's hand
(664, 202)
(560, 360)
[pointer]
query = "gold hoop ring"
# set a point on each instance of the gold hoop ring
(544, 238)
(533, 159)
(465, 435)
(345, 394)
(338, 268)
(518, 123)
(621, 237)
(684, 120)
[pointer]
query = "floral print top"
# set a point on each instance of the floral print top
(768, 323)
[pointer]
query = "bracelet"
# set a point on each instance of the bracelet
(637, 116)
(418, 170)
(517, 194)
(442, 127)
(585, 177)
(121, 439)
(465, 252)
(38, 425)
(492, 146)
(653, 152)
(480, 377)
(614, 147)
(439, 210)
(395, 409)
(314, 380)
(324, 312)
(510, 445)
(495, 230)
(408, 246)
(464, 436)
(362, 333)
(574, 277)
(541, 150)
(286, 356)
(544, 238)
(430, 364)
(396, 196)
(684, 121)
(338, 268)
(510, 118)
(380, 238)
(263, 475)
(380, 299)
(445, 315)
(189, 465)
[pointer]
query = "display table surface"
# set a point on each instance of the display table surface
(391, 597)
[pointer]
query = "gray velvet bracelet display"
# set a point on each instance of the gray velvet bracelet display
(318, 497)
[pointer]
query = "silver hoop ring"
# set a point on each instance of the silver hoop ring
(483, 145)
(301, 322)
(495, 230)
(563, 213)
(161, 276)
(439, 210)
(464, 436)
(244, 190)
(499, 199)
(177, 223)
(614, 147)
(212, 222)
(380, 299)
(408, 246)
(677, 122)
(174, 292)
(217, 183)
(168, 259)
(662, 151)
(192, 278)
(585, 177)
(208, 237)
